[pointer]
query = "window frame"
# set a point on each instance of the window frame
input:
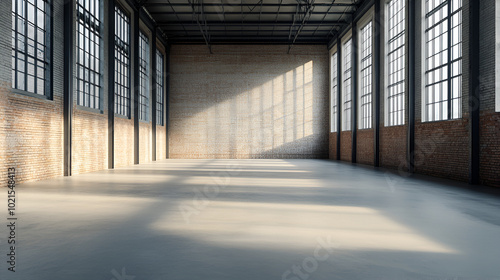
(100, 50)
(346, 117)
(123, 101)
(448, 65)
(47, 61)
(160, 84)
(334, 89)
(365, 121)
(402, 83)
(144, 76)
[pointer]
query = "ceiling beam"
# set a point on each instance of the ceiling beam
(261, 23)
(245, 5)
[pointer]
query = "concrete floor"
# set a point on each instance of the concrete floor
(252, 219)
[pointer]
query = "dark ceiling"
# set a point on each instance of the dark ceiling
(251, 21)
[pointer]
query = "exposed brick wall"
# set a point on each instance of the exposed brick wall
(490, 149)
(490, 120)
(161, 147)
(333, 146)
(31, 129)
(442, 149)
(145, 142)
(346, 146)
(90, 141)
(365, 146)
(393, 147)
(124, 142)
(249, 102)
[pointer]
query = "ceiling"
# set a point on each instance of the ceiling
(251, 21)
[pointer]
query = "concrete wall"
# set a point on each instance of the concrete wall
(249, 102)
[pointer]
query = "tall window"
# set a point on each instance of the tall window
(395, 98)
(365, 104)
(30, 46)
(347, 90)
(88, 60)
(333, 93)
(159, 88)
(443, 64)
(143, 77)
(122, 63)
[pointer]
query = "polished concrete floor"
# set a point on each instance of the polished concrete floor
(252, 219)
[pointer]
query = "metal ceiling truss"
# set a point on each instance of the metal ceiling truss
(288, 22)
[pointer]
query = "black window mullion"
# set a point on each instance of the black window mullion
(449, 103)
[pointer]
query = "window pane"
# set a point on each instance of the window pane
(29, 46)
(395, 96)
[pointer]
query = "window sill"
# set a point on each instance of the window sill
(88, 109)
(30, 94)
(122, 116)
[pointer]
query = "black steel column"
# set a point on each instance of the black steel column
(475, 91)
(339, 95)
(68, 84)
(135, 42)
(153, 93)
(411, 84)
(111, 84)
(166, 95)
(354, 93)
(377, 76)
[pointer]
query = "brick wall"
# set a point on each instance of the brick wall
(161, 147)
(364, 147)
(346, 146)
(124, 142)
(333, 146)
(145, 142)
(249, 102)
(490, 120)
(442, 148)
(90, 141)
(31, 129)
(393, 147)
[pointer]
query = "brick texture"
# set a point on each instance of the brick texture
(393, 147)
(90, 141)
(145, 142)
(31, 129)
(364, 146)
(333, 146)
(346, 146)
(161, 147)
(490, 120)
(249, 102)
(124, 142)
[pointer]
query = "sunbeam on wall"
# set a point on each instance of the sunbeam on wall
(248, 102)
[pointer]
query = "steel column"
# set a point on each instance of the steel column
(354, 92)
(411, 84)
(376, 82)
(339, 95)
(475, 91)
(136, 84)
(153, 94)
(166, 95)
(68, 84)
(111, 84)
